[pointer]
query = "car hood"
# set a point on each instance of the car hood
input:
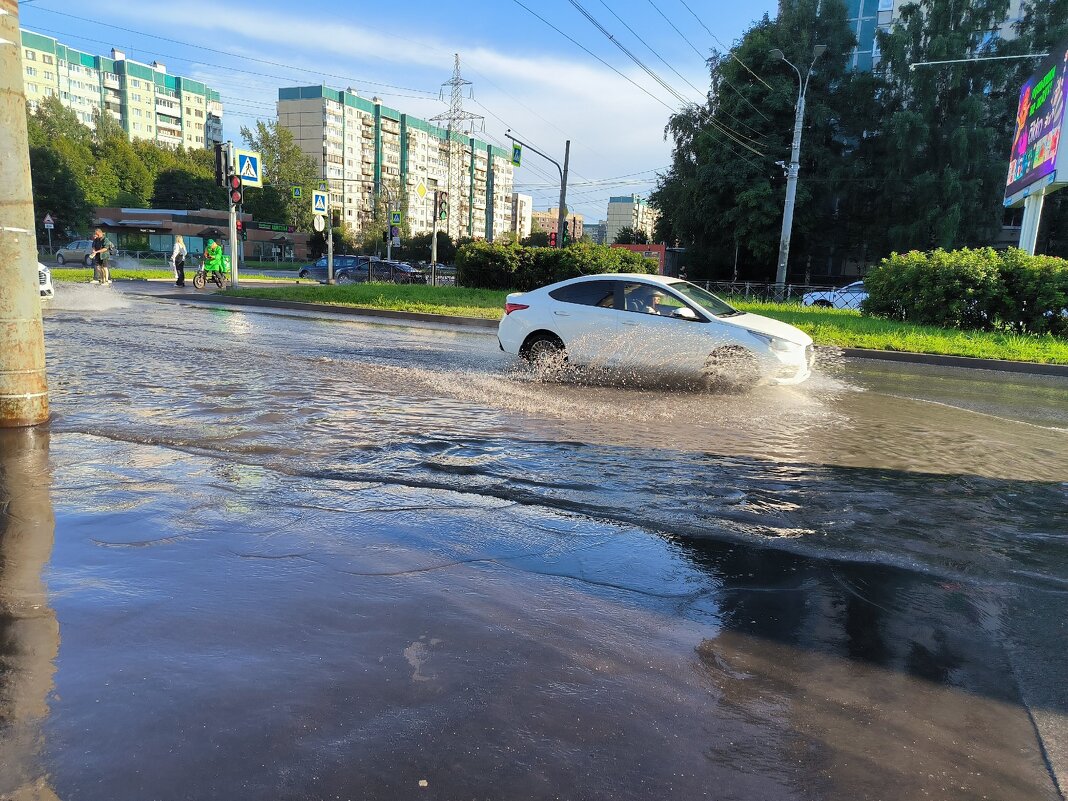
(765, 325)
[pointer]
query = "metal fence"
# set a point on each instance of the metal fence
(804, 294)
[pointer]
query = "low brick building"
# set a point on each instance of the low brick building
(153, 231)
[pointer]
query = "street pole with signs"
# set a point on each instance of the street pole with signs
(517, 156)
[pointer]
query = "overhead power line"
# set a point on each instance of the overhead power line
(728, 50)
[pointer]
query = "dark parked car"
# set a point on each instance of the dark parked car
(397, 272)
(347, 269)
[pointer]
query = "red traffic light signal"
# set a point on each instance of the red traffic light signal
(242, 234)
(552, 239)
(233, 187)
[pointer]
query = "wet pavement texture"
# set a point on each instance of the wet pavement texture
(305, 558)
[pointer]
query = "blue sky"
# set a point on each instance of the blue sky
(525, 75)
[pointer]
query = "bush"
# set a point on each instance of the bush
(971, 289)
(491, 266)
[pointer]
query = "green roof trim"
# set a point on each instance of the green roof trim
(39, 42)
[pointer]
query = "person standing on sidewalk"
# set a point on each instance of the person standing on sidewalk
(178, 260)
(101, 256)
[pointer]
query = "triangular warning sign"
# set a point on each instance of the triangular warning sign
(248, 168)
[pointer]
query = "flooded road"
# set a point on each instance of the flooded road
(307, 558)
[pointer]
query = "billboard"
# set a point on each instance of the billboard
(1036, 141)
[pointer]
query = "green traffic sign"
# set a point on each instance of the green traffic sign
(517, 155)
(395, 218)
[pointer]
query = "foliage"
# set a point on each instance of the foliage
(971, 289)
(496, 266)
(284, 166)
(891, 159)
(537, 239)
(631, 236)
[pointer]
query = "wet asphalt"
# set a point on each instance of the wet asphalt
(260, 555)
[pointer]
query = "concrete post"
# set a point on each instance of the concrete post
(1032, 217)
(562, 211)
(23, 383)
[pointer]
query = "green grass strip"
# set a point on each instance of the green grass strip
(84, 274)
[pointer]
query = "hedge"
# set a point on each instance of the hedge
(972, 289)
(490, 266)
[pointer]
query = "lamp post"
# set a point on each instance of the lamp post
(795, 153)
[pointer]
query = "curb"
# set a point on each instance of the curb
(966, 362)
(350, 311)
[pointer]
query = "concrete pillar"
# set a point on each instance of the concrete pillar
(23, 383)
(1032, 216)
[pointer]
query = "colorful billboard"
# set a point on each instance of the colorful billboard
(1039, 123)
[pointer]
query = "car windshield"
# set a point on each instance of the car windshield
(704, 299)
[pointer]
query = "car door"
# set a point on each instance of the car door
(850, 296)
(583, 314)
(653, 338)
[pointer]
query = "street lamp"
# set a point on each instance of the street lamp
(795, 152)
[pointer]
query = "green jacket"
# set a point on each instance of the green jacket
(213, 257)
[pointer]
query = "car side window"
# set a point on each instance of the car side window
(649, 299)
(587, 293)
(320, 263)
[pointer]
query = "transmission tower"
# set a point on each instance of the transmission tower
(460, 125)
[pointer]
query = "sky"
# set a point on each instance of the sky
(525, 76)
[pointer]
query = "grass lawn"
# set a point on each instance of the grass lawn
(84, 274)
(837, 327)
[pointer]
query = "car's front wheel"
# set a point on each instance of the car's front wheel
(732, 369)
(302, 274)
(345, 278)
(823, 304)
(60, 260)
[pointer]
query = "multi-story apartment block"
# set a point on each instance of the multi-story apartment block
(144, 99)
(865, 17)
(548, 221)
(629, 211)
(522, 207)
(370, 150)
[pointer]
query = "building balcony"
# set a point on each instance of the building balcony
(111, 80)
(168, 127)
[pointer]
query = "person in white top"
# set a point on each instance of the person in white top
(178, 260)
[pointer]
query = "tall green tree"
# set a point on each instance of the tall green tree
(284, 166)
(941, 132)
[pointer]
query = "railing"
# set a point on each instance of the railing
(817, 294)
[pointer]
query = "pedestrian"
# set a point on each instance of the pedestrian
(178, 260)
(101, 257)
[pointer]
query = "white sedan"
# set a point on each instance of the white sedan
(654, 324)
(849, 296)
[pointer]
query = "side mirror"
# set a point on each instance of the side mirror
(685, 313)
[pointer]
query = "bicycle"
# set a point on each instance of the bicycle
(217, 273)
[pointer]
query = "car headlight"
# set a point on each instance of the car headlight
(774, 343)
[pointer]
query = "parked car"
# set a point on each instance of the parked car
(849, 296)
(44, 281)
(398, 272)
(655, 325)
(346, 269)
(80, 252)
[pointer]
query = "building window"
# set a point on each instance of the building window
(136, 98)
(48, 76)
(136, 84)
(31, 56)
(46, 59)
(31, 72)
(136, 126)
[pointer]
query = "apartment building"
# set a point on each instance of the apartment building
(629, 211)
(865, 17)
(144, 99)
(370, 149)
(522, 206)
(597, 231)
(548, 221)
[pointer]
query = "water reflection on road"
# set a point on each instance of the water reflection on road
(361, 556)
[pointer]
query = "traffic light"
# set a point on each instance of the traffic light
(385, 235)
(242, 232)
(552, 239)
(443, 206)
(567, 237)
(233, 184)
(222, 163)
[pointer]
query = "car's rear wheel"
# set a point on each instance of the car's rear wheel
(302, 274)
(731, 369)
(60, 260)
(89, 261)
(544, 352)
(345, 278)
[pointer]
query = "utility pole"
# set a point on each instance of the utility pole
(233, 217)
(23, 382)
(794, 168)
(562, 211)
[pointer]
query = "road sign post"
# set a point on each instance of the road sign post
(49, 223)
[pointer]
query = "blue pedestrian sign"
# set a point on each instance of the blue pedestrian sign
(248, 167)
(319, 202)
(395, 218)
(296, 192)
(517, 154)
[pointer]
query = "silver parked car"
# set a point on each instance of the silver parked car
(79, 252)
(845, 297)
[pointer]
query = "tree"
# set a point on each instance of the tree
(537, 239)
(631, 236)
(284, 165)
(182, 189)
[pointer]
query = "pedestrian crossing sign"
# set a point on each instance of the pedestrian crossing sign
(248, 167)
(319, 202)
